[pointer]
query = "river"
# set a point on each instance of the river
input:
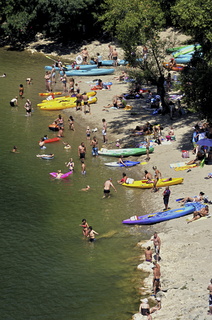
(48, 270)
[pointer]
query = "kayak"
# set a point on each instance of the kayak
(124, 152)
(164, 215)
(64, 99)
(126, 164)
(65, 175)
(183, 60)
(69, 67)
(91, 72)
(186, 50)
(145, 184)
(171, 50)
(111, 62)
(60, 105)
(177, 67)
(52, 140)
(49, 93)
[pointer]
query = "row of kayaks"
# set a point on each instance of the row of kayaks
(184, 55)
(65, 102)
(83, 70)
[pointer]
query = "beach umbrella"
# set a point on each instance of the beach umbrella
(205, 142)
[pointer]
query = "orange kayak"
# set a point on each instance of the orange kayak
(49, 93)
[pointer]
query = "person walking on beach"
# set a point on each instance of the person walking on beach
(85, 55)
(82, 151)
(91, 234)
(107, 185)
(110, 55)
(156, 277)
(166, 195)
(157, 176)
(157, 244)
(148, 254)
(104, 130)
(115, 58)
(210, 297)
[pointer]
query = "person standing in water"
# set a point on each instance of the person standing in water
(85, 227)
(107, 185)
(91, 234)
(21, 91)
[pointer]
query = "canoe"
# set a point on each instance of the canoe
(52, 140)
(186, 50)
(144, 184)
(64, 99)
(91, 72)
(164, 215)
(127, 163)
(68, 67)
(60, 105)
(65, 175)
(43, 94)
(174, 49)
(177, 67)
(124, 152)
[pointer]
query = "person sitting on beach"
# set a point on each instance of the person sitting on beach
(121, 161)
(148, 176)
(157, 307)
(170, 136)
(172, 63)
(124, 178)
(144, 307)
(123, 76)
(193, 199)
(203, 212)
(148, 254)
(199, 157)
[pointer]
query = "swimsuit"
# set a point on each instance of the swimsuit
(144, 311)
(106, 191)
(210, 300)
(82, 155)
(95, 151)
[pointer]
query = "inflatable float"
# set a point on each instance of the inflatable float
(52, 140)
(60, 105)
(45, 156)
(65, 175)
(54, 127)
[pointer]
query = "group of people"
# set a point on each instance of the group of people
(144, 307)
(88, 230)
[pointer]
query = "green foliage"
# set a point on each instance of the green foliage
(196, 82)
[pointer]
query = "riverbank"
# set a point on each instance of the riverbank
(185, 249)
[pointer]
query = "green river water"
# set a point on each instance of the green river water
(48, 270)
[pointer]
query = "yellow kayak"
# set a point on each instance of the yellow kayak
(64, 99)
(60, 105)
(145, 184)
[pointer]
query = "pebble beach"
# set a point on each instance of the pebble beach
(185, 249)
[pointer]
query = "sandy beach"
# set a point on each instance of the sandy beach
(185, 250)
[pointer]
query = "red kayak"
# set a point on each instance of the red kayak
(52, 140)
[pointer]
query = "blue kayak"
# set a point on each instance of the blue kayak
(68, 67)
(110, 62)
(126, 164)
(165, 215)
(91, 72)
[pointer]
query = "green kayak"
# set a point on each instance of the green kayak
(124, 152)
(171, 50)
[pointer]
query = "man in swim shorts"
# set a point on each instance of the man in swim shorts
(157, 243)
(107, 185)
(82, 151)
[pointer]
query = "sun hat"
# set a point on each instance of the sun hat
(158, 298)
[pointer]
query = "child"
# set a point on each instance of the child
(88, 133)
(83, 166)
